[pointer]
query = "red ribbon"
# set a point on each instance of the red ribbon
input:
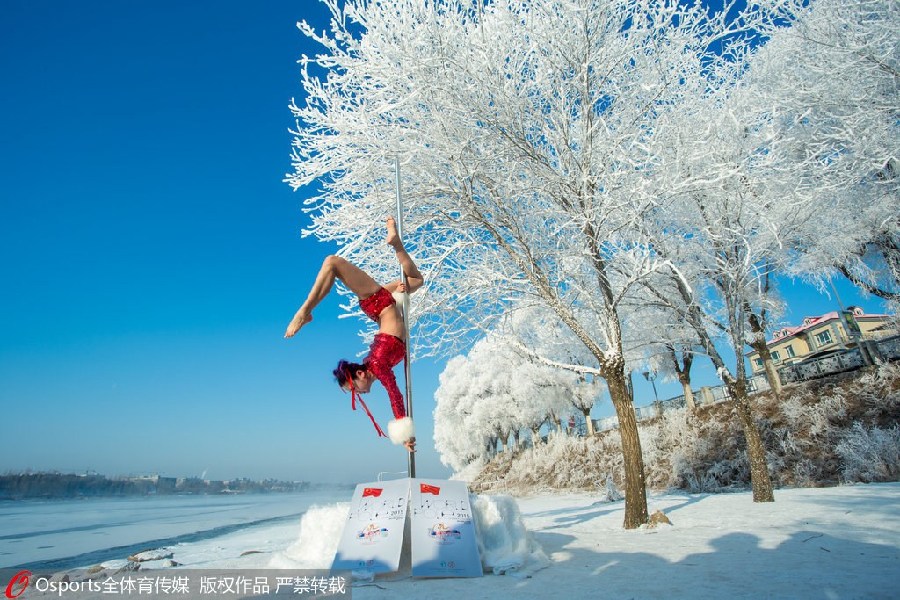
(354, 395)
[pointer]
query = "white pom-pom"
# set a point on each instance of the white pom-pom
(400, 430)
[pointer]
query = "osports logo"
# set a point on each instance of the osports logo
(18, 584)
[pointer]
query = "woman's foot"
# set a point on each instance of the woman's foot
(393, 238)
(299, 320)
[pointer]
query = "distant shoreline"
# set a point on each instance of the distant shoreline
(61, 486)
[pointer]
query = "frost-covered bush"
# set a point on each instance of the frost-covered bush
(683, 450)
(870, 455)
(564, 462)
(879, 394)
(817, 419)
(815, 415)
(470, 471)
(800, 434)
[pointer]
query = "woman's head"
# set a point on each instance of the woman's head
(347, 372)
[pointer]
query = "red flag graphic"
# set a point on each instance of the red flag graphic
(371, 492)
(430, 489)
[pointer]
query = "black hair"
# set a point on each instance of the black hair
(344, 369)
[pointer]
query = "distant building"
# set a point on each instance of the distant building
(157, 483)
(166, 485)
(823, 334)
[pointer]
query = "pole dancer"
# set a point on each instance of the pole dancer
(388, 348)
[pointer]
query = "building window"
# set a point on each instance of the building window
(759, 362)
(823, 337)
(776, 355)
(790, 351)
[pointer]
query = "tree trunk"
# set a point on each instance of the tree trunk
(504, 437)
(684, 373)
(772, 375)
(557, 421)
(759, 344)
(635, 494)
(588, 422)
(737, 387)
(756, 452)
(535, 436)
(689, 395)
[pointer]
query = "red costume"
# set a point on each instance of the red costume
(386, 352)
(377, 302)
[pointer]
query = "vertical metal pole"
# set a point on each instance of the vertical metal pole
(406, 365)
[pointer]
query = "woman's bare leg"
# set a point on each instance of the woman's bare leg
(414, 278)
(334, 267)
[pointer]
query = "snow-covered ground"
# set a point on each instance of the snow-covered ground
(841, 542)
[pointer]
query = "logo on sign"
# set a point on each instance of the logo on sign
(443, 534)
(372, 534)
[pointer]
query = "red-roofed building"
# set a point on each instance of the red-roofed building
(820, 335)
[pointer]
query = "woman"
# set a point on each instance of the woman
(388, 348)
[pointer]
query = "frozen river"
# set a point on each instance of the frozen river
(68, 533)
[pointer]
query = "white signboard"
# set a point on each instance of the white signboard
(443, 531)
(373, 535)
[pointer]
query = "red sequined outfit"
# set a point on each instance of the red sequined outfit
(386, 352)
(377, 302)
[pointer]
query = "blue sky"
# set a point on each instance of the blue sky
(152, 256)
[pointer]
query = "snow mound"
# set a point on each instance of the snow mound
(320, 532)
(505, 545)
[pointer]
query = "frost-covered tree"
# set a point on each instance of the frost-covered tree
(475, 404)
(763, 178)
(730, 211)
(786, 171)
(456, 432)
(659, 339)
(492, 394)
(538, 335)
(523, 130)
(829, 85)
(584, 395)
